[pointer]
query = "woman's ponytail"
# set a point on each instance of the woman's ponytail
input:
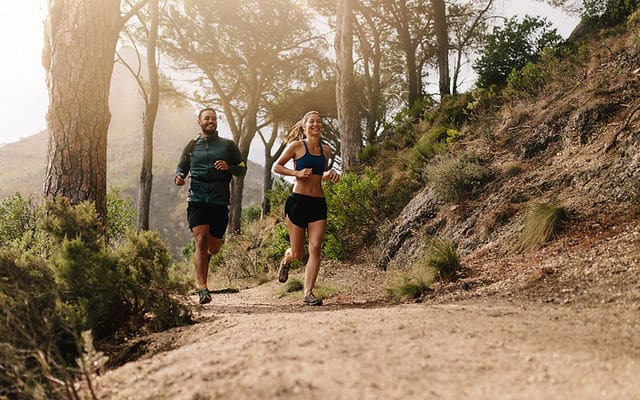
(296, 133)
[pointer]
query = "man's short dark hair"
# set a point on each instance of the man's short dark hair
(206, 109)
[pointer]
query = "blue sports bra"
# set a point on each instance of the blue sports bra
(308, 160)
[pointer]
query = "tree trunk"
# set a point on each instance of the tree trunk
(442, 39)
(345, 88)
(151, 110)
(80, 41)
(269, 159)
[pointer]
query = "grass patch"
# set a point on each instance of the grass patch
(541, 224)
(442, 256)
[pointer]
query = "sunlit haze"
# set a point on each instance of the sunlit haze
(23, 93)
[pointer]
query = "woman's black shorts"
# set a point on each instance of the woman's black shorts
(214, 215)
(302, 209)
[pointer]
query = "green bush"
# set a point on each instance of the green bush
(120, 214)
(456, 178)
(278, 195)
(526, 82)
(432, 143)
(250, 214)
(352, 207)
(511, 47)
(541, 224)
(17, 217)
(442, 256)
(144, 262)
(453, 111)
(412, 285)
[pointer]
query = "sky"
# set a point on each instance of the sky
(23, 92)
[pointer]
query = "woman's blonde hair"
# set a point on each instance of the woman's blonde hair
(297, 132)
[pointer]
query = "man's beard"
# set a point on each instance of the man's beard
(210, 131)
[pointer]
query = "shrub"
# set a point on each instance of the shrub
(144, 262)
(453, 111)
(37, 346)
(351, 209)
(120, 214)
(250, 214)
(410, 286)
(511, 47)
(17, 217)
(442, 256)
(526, 82)
(456, 178)
(541, 224)
(278, 194)
(432, 143)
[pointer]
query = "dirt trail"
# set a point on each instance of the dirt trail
(254, 345)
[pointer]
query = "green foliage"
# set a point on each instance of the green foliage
(541, 224)
(526, 82)
(600, 13)
(144, 262)
(291, 286)
(352, 208)
(17, 217)
(369, 153)
(442, 256)
(250, 214)
(395, 192)
(432, 143)
(453, 111)
(483, 101)
(106, 290)
(63, 221)
(511, 47)
(278, 194)
(278, 241)
(456, 178)
(404, 122)
(410, 286)
(439, 262)
(35, 340)
(90, 287)
(120, 214)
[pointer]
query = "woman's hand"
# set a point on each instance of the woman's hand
(303, 173)
(332, 175)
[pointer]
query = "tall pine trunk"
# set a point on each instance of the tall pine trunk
(345, 88)
(80, 41)
(442, 51)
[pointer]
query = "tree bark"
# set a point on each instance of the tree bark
(442, 39)
(345, 88)
(149, 119)
(78, 57)
(80, 41)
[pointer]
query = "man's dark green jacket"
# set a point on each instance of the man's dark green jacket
(209, 185)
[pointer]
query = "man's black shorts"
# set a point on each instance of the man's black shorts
(214, 215)
(302, 209)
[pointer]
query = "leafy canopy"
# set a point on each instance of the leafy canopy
(511, 47)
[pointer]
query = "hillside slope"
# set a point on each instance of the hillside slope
(576, 145)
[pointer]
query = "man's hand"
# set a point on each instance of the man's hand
(221, 165)
(180, 179)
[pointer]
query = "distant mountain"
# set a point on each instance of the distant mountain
(23, 163)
